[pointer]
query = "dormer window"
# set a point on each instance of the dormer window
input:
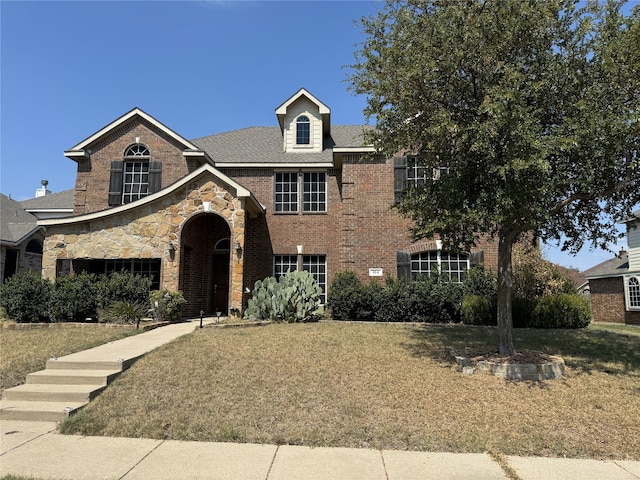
(135, 177)
(303, 130)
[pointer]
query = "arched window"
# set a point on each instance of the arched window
(34, 246)
(633, 293)
(135, 177)
(137, 150)
(303, 130)
(437, 262)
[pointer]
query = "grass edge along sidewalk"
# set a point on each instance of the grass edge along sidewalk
(378, 386)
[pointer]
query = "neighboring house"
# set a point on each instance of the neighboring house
(20, 239)
(211, 216)
(50, 205)
(615, 284)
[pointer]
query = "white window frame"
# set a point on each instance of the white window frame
(316, 195)
(418, 175)
(440, 259)
(293, 189)
(135, 180)
(316, 265)
(310, 189)
(303, 121)
(632, 292)
(283, 264)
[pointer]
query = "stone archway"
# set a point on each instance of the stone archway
(204, 270)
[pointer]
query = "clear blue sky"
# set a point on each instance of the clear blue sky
(68, 68)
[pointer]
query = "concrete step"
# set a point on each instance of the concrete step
(118, 364)
(37, 411)
(52, 393)
(72, 377)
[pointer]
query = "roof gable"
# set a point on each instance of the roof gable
(238, 190)
(17, 224)
(324, 111)
(83, 149)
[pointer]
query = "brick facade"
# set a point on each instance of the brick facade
(359, 231)
(608, 304)
(92, 178)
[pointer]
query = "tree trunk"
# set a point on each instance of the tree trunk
(505, 288)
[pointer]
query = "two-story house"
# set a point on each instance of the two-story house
(615, 284)
(212, 215)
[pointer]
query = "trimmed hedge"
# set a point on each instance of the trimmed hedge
(25, 297)
(561, 311)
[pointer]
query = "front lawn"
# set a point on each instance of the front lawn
(384, 386)
(27, 351)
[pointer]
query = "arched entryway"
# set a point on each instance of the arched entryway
(204, 265)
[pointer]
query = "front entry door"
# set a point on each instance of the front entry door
(220, 294)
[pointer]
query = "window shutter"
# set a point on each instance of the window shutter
(155, 177)
(115, 183)
(399, 177)
(403, 262)
(476, 258)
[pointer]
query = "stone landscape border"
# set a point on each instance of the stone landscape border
(551, 369)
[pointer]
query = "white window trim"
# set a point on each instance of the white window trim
(627, 291)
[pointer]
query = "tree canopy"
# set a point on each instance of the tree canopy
(531, 107)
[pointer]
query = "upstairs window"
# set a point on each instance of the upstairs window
(411, 173)
(314, 192)
(286, 192)
(303, 130)
(135, 177)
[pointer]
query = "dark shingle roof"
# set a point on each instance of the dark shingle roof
(63, 199)
(265, 145)
(15, 223)
(619, 265)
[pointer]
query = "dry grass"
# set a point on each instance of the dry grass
(26, 351)
(380, 386)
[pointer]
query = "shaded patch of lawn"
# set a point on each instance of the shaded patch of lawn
(380, 386)
(26, 351)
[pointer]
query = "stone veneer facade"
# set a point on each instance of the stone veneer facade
(145, 232)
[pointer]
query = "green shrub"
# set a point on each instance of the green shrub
(476, 310)
(167, 306)
(295, 297)
(479, 281)
(74, 298)
(25, 297)
(561, 311)
(345, 295)
(122, 286)
(126, 312)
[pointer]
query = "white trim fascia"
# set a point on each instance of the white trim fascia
(275, 165)
(49, 210)
(354, 150)
(198, 154)
(241, 192)
(322, 108)
(119, 121)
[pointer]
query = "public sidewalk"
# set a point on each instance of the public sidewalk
(34, 449)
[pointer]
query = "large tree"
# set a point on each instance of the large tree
(530, 107)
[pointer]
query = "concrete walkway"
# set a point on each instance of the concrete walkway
(34, 449)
